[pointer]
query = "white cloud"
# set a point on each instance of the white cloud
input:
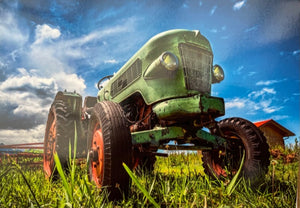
(264, 91)
(271, 109)
(100, 34)
(45, 32)
(236, 103)
(240, 106)
(239, 69)
(213, 10)
(213, 30)
(269, 82)
(70, 82)
(25, 79)
(29, 93)
(10, 31)
(280, 117)
(22, 71)
(238, 5)
(52, 61)
(111, 61)
(93, 49)
(250, 106)
(19, 136)
(258, 102)
(296, 52)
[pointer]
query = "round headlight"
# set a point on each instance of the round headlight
(169, 61)
(218, 74)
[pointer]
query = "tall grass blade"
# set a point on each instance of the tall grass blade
(28, 185)
(234, 182)
(18, 168)
(89, 192)
(139, 185)
(151, 188)
(63, 177)
(73, 159)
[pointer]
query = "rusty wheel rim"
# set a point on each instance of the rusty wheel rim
(97, 156)
(49, 145)
(220, 171)
(235, 156)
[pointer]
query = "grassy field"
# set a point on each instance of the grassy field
(177, 181)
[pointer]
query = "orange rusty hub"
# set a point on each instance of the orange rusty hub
(49, 146)
(97, 156)
(219, 170)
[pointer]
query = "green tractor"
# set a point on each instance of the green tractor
(162, 94)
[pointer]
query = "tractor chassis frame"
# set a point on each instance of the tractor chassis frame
(160, 136)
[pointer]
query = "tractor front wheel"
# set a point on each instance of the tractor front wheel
(243, 137)
(110, 146)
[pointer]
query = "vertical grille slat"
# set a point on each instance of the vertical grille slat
(197, 65)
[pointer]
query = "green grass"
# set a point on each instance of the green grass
(177, 181)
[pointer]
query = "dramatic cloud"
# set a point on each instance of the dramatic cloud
(50, 56)
(238, 5)
(56, 45)
(26, 99)
(44, 32)
(10, 32)
(20, 136)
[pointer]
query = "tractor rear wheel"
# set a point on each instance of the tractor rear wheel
(243, 137)
(60, 131)
(110, 146)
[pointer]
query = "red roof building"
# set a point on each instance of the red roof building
(274, 132)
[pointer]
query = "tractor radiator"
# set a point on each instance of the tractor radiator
(197, 64)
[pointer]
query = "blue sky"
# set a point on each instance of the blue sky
(46, 46)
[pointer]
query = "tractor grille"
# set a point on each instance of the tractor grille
(197, 65)
(127, 78)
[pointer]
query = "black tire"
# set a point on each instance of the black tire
(110, 146)
(241, 135)
(65, 111)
